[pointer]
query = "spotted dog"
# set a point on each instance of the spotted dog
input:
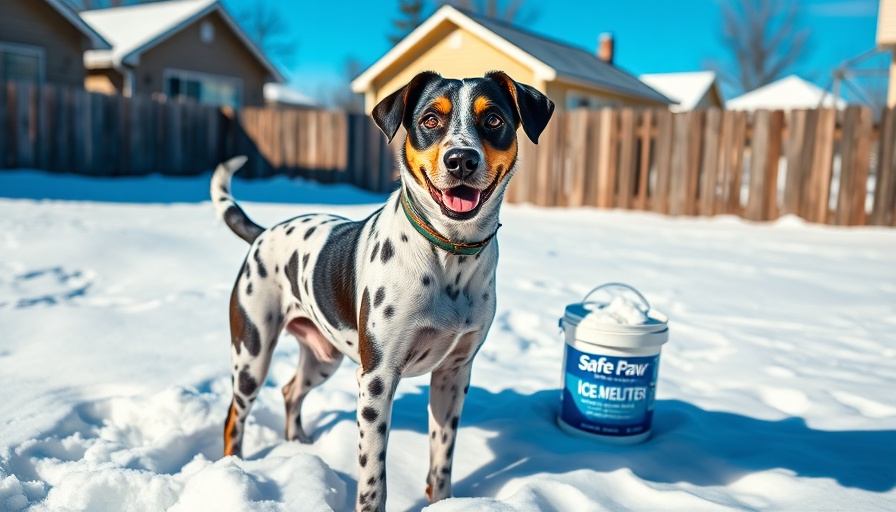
(407, 291)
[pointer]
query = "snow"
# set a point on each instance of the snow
(775, 389)
(687, 89)
(280, 93)
(619, 311)
(788, 93)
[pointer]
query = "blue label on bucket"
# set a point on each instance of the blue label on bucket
(608, 395)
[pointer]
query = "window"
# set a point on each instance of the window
(207, 32)
(206, 89)
(21, 62)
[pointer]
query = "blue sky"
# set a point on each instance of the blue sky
(652, 36)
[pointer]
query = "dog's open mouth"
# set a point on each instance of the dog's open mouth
(461, 202)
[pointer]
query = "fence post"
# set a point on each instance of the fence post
(709, 162)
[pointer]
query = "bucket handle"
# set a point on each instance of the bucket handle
(620, 285)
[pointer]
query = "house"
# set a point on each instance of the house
(698, 90)
(182, 48)
(788, 93)
(458, 43)
(44, 41)
(886, 39)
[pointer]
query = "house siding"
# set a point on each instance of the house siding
(35, 23)
(453, 53)
(225, 55)
(886, 23)
(560, 93)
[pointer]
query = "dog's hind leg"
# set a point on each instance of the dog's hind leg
(254, 337)
(318, 360)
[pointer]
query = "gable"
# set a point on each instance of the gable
(453, 52)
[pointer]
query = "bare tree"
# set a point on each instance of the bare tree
(410, 16)
(342, 96)
(511, 11)
(267, 27)
(762, 37)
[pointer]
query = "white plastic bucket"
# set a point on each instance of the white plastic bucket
(610, 371)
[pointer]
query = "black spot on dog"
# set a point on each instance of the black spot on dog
(461, 260)
(452, 292)
(290, 230)
(239, 401)
(324, 375)
(292, 274)
(371, 481)
(425, 280)
(389, 311)
(263, 272)
(349, 343)
(376, 386)
(247, 383)
(379, 296)
(404, 237)
(388, 251)
(454, 422)
(433, 435)
(306, 219)
(361, 432)
(248, 271)
(457, 279)
(444, 437)
(309, 233)
(466, 389)
(334, 276)
(450, 450)
(381, 429)
(382, 455)
(307, 383)
(369, 414)
(305, 261)
(485, 296)
(249, 289)
(362, 460)
(375, 251)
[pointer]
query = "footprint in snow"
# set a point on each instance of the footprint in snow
(49, 286)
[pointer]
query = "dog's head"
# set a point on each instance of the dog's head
(461, 142)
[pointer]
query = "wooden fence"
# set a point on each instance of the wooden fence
(826, 166)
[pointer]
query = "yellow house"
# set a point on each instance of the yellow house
(457, 43)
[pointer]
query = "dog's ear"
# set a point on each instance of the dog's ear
(389, 113)
(533, 108)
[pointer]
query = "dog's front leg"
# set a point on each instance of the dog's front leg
(375, 393)
(447, 391)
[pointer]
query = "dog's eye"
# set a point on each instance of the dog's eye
(430, 121)
(493, 121)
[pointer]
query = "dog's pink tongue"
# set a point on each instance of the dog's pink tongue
(461, 199)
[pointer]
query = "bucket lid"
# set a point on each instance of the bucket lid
(594, 322)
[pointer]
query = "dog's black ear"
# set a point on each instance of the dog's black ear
(533, 108)
(389, 113)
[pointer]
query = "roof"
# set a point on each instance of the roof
(685, 88)
(135, 29)
(96, 40)
(286, 95)
(549, 59)
(790, 92)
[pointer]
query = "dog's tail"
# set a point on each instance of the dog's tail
(226, 206)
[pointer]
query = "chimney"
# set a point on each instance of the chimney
(605, 47)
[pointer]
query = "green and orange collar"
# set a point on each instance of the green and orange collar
(436, 238)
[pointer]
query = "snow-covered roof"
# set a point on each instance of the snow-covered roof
(134, 29)
(281, 93)
(685, 88)
(788, 93)
(96, 40)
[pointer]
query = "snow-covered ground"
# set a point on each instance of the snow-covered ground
(776, 389)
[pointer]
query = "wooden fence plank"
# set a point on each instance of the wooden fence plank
(855, 154)
(628, 171)
(681, 163)
(709, 162)
(884, 210)
(822, 159)
(793, 180)
(606, 165)
(665, 137)
(592, 181)
(644, 153)
(738, 146)
(759, 150)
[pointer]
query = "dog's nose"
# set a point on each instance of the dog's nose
(461, 162)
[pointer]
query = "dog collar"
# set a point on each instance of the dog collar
(435, 237)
